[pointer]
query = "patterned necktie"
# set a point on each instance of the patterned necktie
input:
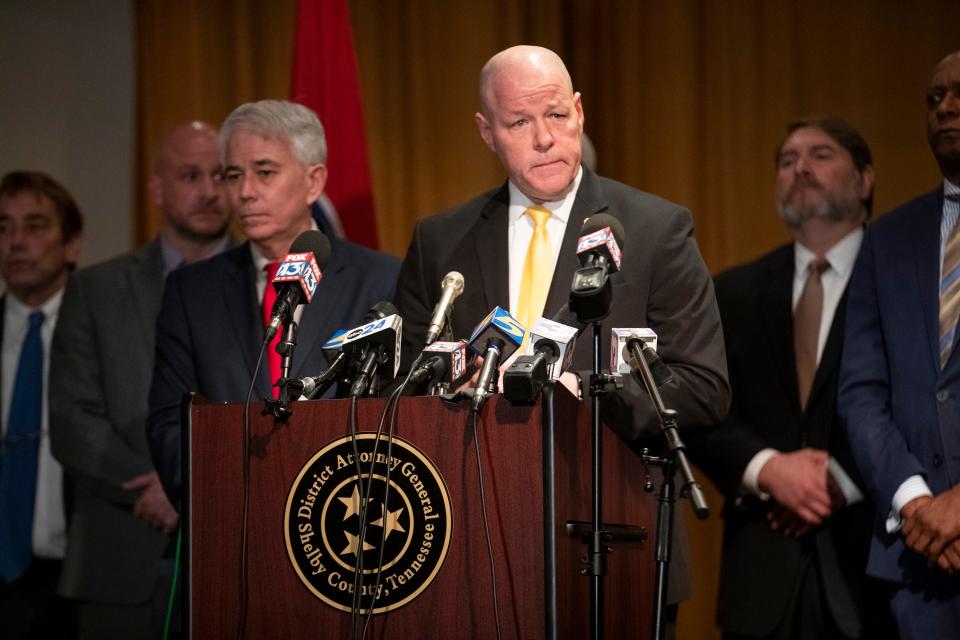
(537, 269)
(806, 327)
(269, 297)
(20, 450)
(949, 290)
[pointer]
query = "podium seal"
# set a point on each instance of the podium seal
(409, 522)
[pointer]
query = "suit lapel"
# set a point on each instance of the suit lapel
(926, 241)
(830, 359)
(777, 301)
(144, 276)
(589, 200)
(243, 309)
(493, 260)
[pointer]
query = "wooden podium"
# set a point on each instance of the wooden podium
(458, 601)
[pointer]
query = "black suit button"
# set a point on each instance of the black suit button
(943, 396)
(937, 460)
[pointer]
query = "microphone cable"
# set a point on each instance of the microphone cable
(475, 424)
(241, 628)
(390, 407)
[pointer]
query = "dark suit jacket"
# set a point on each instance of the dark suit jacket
(210, 330)
(761, 567)
(663, 284)
(902, 411)
(100, 367)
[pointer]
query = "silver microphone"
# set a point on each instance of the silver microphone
(452, 286)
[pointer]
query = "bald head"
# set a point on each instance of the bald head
(532, 119)
(186, 184)
(522, 61)
(943, 116)
(181, 139)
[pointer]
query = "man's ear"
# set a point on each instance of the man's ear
(486, 131)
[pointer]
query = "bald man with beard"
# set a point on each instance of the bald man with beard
(532, 119)
(101, 368)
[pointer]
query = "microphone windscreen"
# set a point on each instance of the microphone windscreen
(381, 310)
(599, 221)
(314, 242)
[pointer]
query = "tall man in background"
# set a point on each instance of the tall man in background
(40, 228)
(211, 321)
(900, 383)
(533, 120)
(101, 367)
(797, 527)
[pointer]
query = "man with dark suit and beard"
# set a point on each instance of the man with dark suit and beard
(797, 526)
(516, 248)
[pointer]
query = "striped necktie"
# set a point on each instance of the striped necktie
(537, 269)
(949, 289)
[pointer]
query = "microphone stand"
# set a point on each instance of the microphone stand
(280, 408)
(597, 548)
(675, 457)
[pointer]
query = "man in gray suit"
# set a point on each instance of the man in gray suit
(102, 362)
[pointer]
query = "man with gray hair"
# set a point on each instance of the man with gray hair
(211, 320)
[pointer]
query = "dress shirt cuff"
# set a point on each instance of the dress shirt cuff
(750, 483)
(912, 488)
(851, 493)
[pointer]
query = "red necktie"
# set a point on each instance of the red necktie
(269, 297)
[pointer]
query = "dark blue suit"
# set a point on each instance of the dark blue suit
(902, 412)
(210, 329)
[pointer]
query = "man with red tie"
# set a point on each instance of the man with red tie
(213, 313)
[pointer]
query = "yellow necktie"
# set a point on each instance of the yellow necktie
(537, 269)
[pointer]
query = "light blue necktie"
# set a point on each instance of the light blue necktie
(18, 460)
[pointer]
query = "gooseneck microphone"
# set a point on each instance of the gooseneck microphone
(297, 277)
(452, 286)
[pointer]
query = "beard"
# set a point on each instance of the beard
(820, 203)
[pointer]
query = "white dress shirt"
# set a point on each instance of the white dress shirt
(520, 231)
(49, 522)
(915, 486)
(841, 257)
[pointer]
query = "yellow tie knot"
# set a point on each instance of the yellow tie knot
(539, 215)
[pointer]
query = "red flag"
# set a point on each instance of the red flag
(325, 78)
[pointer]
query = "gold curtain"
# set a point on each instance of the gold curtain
(686, 99)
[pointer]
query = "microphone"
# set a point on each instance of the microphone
(376, 345)
(447, 362)
(297, 277)
(333, 351)
(496, 337)
(452, 285)
(598, 250)
(550, 351)
(632, 344)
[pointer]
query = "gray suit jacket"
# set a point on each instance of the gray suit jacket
(100, 368)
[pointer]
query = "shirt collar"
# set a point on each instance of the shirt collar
(20, 311)
(949, 188)
(260, 261)
(841, 256)
(173, 259)
(560, 209)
